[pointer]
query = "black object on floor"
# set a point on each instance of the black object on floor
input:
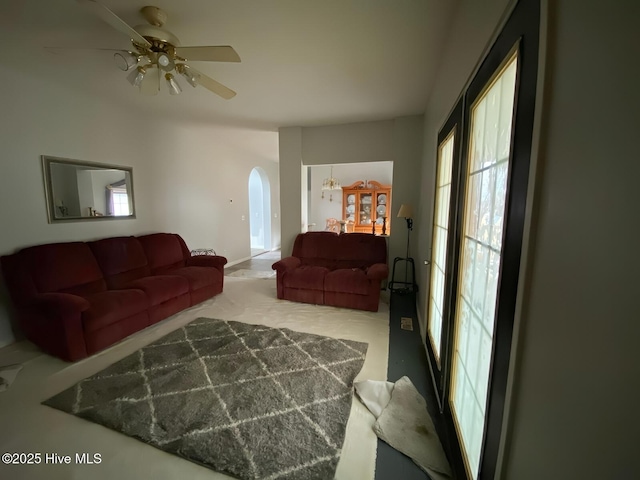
(396, 286)
(407, 356)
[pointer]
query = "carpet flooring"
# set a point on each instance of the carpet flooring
(29, 426)
(248, 400)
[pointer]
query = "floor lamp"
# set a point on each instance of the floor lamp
(405, 287)
(407, 212)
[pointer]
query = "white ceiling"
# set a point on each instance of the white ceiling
(304, 62)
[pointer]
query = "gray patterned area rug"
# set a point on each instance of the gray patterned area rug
(247, 400)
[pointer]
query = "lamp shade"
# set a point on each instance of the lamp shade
(405, 211)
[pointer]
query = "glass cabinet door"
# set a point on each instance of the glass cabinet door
(381, 209)
(365, 205)
(350, 208)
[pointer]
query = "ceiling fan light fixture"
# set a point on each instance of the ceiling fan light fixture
(174, 87)
(191, 77)
(125, 61)
(165, 62)
(137, 76)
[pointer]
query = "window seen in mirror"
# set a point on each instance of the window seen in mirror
(120, 203)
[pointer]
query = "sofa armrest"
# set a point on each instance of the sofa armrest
(215, 261)
(287, 263)
(61, 304)
(378, 271)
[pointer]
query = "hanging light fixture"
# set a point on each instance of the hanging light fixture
(186, 72)
(174, 88)
(137, 76)
(165, 62)
(125, 60)
(330, 184)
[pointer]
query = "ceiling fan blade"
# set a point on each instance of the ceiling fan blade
(151, 83)
(210, 84)
(72, 50)
(115, 21)
(222, 53)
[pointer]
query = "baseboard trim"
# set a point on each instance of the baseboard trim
(422, 325)
(235, 262)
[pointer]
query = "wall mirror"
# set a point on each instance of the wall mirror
(78, 190)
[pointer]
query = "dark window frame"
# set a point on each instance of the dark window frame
(521, 30)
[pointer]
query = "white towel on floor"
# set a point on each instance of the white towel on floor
(8, 374)
(374, 394)
(404, 423)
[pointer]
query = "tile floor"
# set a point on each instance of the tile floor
(260, 262)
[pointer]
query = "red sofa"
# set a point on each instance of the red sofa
(75, 299)
(330, 269)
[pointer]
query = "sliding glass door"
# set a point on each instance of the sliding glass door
(438, 297)
(440, 235)
(482, 227)
(478, 223)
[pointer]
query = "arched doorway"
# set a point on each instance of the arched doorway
(259, 211)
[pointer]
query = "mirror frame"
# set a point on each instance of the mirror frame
(47, 160)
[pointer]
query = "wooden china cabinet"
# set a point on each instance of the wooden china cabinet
(366, 204)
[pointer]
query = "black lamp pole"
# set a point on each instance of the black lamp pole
(409, 228)
(405, 212)
(406, 268)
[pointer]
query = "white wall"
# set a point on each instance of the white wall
(347, 174)
(471, 30)
(86, 194)
(291, 185)
(348, 143)
(190, 179)
(64, 182)
(576, 385)
(398, 141)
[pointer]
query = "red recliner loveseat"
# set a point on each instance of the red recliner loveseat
(330, 269)
(75, 299)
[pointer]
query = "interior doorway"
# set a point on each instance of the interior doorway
(259, 211)
(325, 205)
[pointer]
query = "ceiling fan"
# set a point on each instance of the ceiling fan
(157, 53)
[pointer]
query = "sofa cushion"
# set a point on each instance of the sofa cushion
(63, 267)
(352, 280)
(360, 250)
(112, 306)
(316, 248)
(305, 277)
(198, 277)
(333, 251)
(164, 251)
(121, 259)
(161, 288)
